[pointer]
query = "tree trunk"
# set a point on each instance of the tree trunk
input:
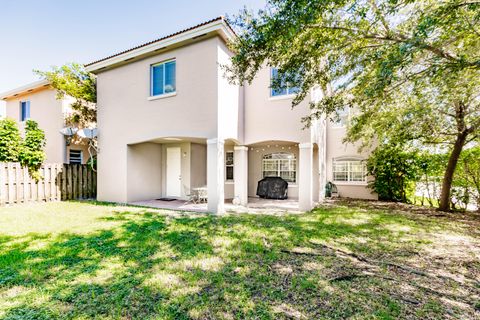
(450, 171)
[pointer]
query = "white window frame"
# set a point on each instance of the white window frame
(349, 173)
(229, 165)
(70, 156)
(288, 94)
(162, 95)
(21, 110)
(278, 165)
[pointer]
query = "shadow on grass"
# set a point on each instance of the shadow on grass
(206, 267)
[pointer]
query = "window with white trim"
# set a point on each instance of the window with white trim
(349, 170)
(163, 78)
(229, 166)
(75, 156)
(280, 164)
(24, 110)
(285, 87)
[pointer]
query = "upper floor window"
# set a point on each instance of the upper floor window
(24, 110)
(349, 170)
(285, 87)
(163, 78)
(229, 166)
(281, 164)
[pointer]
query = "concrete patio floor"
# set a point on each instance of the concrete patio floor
(255, 205)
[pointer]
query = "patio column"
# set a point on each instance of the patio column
(215, 176)
(240, 174)
(305, 187)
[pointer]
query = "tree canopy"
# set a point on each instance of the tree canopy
(409, 69)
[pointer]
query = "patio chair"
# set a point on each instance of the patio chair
(191, 197)
(203, 194)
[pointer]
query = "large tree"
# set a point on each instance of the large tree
(409, 68)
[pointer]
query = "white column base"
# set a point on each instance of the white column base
(216, 176)
(240, 174)
(305, 187)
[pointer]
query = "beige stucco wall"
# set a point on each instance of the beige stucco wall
(198, 176)
(336, 149)
(144, 175)
(47, 111)
(230, 99)
(127, 116)
(267, 118)
(124, 108)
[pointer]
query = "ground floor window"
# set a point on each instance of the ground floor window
(282, 165)
(229, 166)
(75, 156)
(349, 170)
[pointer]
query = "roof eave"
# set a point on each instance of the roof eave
(220, 26)
(23, 89)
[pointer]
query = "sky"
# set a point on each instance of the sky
(40, 34)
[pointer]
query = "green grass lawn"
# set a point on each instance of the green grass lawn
(354, 260)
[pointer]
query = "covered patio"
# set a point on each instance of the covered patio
(167, 173)
(254, 206)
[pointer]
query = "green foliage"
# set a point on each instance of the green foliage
(92, 162)
(467, 177)
(409, 69)
(10, 140)
(32, 153)
(74, 81)
(431, 166)
(28, 151)
(395, 171)
(398, 173)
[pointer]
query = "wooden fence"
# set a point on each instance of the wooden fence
(59, 182)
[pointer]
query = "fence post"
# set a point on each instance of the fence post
(80, 181)
(26, 185)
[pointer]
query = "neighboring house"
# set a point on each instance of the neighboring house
(169, 121)
(2, 109)
(37, 101)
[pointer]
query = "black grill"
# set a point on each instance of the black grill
(272, 188)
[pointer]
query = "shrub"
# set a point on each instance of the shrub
(395, 171)
(10, 141)
(32, 152)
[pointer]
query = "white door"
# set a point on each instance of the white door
(174, 172)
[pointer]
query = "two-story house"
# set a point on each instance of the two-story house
(169, 121)
(37, 101)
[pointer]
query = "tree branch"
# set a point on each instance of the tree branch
(398, 38)
(464, 4)
(380, 16)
